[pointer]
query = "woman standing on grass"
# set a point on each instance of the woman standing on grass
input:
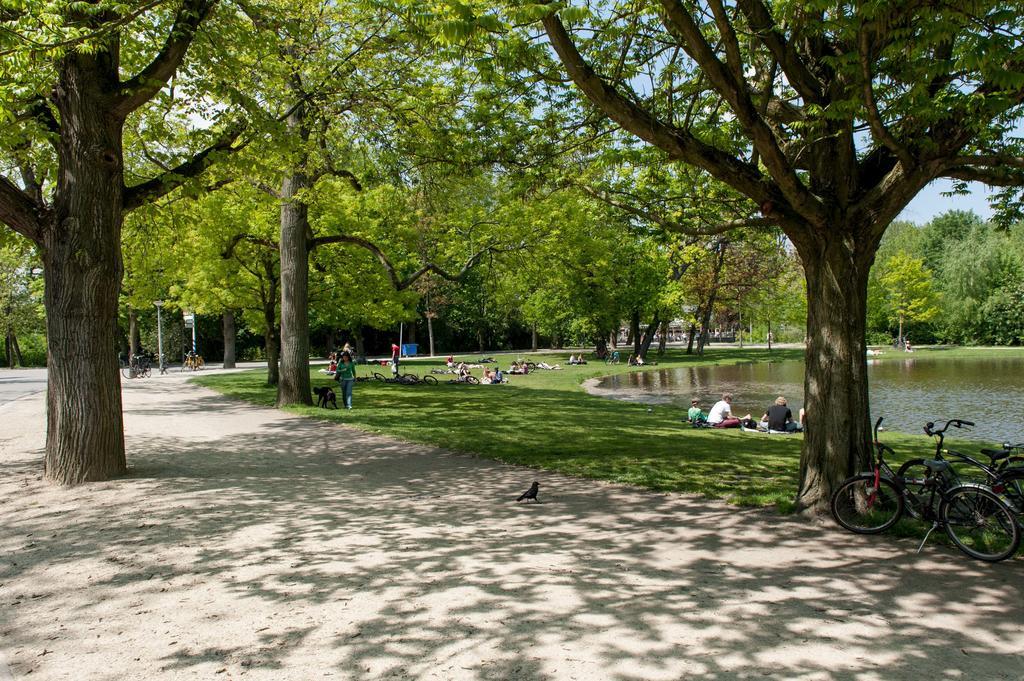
(346, 375)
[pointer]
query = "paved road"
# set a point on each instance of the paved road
(15, 383)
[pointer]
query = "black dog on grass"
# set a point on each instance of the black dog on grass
(324, 396)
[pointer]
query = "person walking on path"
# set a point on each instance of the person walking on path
(721, 416)
(346, 376)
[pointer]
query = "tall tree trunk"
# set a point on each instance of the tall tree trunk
(769, 336)
(230, 335)
(705, 320)
(663, 338)
(689, 341)
(270, 345)
(294, 385)
(133, 332)
(601, 346)
(16, 350)
(430, 332)
(357, 334)
(613, 339)
(837, 441)
(480, 339)
(533, 338)
(82, 268)
(652, 328)
(8, 350)
(634, 332)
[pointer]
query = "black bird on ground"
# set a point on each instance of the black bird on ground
(530, 493)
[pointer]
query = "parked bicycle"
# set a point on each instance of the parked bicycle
(1003, 473)
(193, 362)
(974, 517)
(138, 367)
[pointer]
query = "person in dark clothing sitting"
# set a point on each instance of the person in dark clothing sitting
(779, 417)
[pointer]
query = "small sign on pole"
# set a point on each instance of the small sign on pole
(190, 320)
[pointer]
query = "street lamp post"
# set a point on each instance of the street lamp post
(160, 335)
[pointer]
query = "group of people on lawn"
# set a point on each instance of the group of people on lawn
(778, 418)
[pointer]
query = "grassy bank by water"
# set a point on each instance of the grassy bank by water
(547, 420)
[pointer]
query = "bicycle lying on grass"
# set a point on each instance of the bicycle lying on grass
(405, 379)
(974, 517)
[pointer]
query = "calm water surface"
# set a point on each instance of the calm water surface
(907, 392)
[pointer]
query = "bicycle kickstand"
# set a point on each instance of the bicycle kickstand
(926, 535)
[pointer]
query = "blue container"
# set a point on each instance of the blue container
(409, 349)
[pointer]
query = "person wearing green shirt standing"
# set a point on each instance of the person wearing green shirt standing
(346, 375)
(695, 414)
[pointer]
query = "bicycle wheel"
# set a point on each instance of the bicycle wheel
(410, 379)
(128, 372)
(430, 380)
(862, 508)
(147, 372)
(472, 380)
(980, 523)
(1012, 481)
(380, 377)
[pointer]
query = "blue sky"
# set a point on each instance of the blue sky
(930, 202)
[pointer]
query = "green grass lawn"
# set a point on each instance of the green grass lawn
(546, 420)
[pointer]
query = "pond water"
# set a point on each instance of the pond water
(907, 392)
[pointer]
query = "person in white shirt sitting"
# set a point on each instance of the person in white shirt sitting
(721, 416)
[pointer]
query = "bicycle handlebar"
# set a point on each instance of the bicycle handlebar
(930, 429)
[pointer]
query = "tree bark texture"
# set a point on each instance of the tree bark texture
(230, 336)
(534, 341)
(430, 332)
(634, 332)
(648, 338)
(838, 438)
(294, 385)
(83, 270)
(690, 338)
(133, 332)
(270, 346)
(663, 338)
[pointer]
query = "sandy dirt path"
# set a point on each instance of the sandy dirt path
(247, 543)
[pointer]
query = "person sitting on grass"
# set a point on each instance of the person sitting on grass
(721, 416)
(450, 361)
(486, 378)
(779, 418)
(696, 414)
(497, 377)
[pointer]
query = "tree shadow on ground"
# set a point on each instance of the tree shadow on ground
(287, 548)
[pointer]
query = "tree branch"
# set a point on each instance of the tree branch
(166, 182)
(799, 76)
(678, 226)
(874, 117)
(400, 284)
(229, 250)
(19, 212)
(39, 110)
(678, 144)
(138, 90)
(682, 26)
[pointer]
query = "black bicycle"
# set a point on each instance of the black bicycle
(974, 517)
(139, 367)
(1003, 473)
